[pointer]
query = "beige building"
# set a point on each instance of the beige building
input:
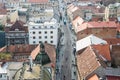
(12, 15)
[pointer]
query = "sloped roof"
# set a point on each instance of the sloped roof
(93, 24)
(49, 49)
(87, 62)
(77, 21)
(20, 48)
(113, 40)
(94, 77)
(38, 1)
(103, 50)
(87, 41)
(17, 25)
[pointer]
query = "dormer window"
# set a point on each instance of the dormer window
(16, 29)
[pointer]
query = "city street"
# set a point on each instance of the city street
(66, 58)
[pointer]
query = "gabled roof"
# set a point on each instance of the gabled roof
(49, 49)
(87, 41)
(38, 1)
(17, 25)
(103, 51)
(87, 62)
(92, 24)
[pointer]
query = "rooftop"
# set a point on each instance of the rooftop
(100, 24)
(87, 41)
(87, 62)
(103, 51)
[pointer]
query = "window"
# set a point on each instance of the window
(33, 42)
(45, 32)
(51, 37)
(51, 26)
(33, 32)
(51, 41)
(45, 41)
(45, 37)
(51, 32)
(39, 32)
(33, 27)
(39, 37)
(40, 41)
(33, 37)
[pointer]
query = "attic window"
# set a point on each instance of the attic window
(16, 29)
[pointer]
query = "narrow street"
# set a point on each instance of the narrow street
(66, 57)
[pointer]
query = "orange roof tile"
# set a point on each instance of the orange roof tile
(92, 24)
(94, 77)
(113, 40)
(49, 49)
(103, 50)
(35, 52)
(38, 1)
(87, 62)
(77, 21)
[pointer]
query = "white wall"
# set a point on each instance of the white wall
(42, 27)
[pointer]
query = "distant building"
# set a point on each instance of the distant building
(99, 62)
(2, 39)
(16, 33)
(100, 29)
(43, 32)
(12, 15)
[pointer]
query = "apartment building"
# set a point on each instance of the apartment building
(43, 32)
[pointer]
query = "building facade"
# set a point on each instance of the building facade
(16, 33)
(43, 32)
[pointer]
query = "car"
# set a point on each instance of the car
(64, 22)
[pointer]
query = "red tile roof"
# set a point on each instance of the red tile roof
(35, 52)
(103, 50)
(19, 48)
(49, 49)
(94, 77)
(87, 62)
(113, 40)
(92, 24)
(38, 1)
(77, 21)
